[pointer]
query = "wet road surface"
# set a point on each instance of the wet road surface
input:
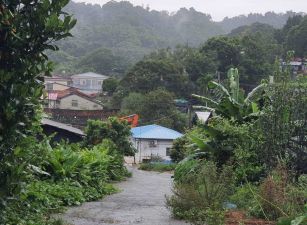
(141, 202)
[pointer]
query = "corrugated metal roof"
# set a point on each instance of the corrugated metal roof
(62, 126)
(155, 132)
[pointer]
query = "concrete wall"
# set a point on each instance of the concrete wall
(83, 103)
(145, 150)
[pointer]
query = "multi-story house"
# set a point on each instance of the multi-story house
(71, 99)
(88, 82)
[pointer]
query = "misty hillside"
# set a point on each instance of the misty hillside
(134, 30)
(277, 20)
(123, 33)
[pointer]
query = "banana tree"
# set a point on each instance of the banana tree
(230, 105)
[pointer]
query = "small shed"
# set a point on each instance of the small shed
(153, 140)
(62, 131)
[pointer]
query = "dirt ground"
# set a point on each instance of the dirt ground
(141, 202)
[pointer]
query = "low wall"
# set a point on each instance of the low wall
(79, 118)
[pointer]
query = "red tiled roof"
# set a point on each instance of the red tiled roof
(71, 91)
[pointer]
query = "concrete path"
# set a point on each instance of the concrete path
(141, 202)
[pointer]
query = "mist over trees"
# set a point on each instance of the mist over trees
(125, 33)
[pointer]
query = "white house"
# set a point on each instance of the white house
(153, 140)
(88, 82)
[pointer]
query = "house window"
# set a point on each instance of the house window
(74, 103)
(82, 82)
(49, 86)
(168, 151)
(153, 143)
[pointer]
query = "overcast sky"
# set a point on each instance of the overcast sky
(220, 8)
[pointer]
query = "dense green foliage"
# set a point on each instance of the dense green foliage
(270, 18)
(126, 33)
(155, 107)
(129, 32)
(199, 192)
(252, 152)
(265, 147)
(185, 70)
(296, 38)
(114, 129)
(26, 30)
(110, 85)
(42, 179)
(37, 179)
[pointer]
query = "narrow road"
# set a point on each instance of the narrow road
(142, 201)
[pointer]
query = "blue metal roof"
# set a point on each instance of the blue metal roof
(155, 132)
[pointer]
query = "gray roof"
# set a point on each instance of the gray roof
(90, 75)
(62, 126)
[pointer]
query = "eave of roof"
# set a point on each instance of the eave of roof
(155, 132)
(73, 91)
(90, 75)
(62, 126)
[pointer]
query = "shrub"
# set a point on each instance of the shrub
(276, 196)
(159, 167)
(112, 129)
(51, 178)
(179, 149)
(245, 197)
(200, 191)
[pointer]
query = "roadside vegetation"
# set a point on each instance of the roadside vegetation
(157, 166)
(39, 177)
(250, 157)
(42, 179)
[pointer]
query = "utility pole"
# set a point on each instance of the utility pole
(190, 115)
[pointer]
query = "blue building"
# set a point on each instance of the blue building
(153, 140)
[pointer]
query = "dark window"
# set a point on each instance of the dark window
(49, 86)
(168, 151)
(74, 103)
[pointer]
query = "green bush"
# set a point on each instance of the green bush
(300, 220)
(112, 129)
(275, 197)
(179, 150)
(186, 170)
(51, 178)
(159, 167)
(200, 191)
(246, 198)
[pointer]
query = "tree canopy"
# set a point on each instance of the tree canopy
(130, 32)
(27, 29)
(156, 107)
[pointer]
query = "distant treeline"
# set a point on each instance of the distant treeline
(111, 38)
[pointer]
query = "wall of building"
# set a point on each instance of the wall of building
(88, 83)
(145, 150)
(56, 86)
(83, 103)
